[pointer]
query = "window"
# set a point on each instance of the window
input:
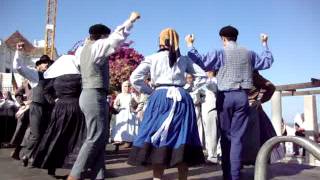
(7, 70)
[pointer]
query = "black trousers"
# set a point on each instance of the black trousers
(39, 118)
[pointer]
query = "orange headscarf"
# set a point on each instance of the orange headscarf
(169, 38)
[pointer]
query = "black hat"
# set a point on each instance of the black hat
(229, 31)
(43, 59)
(99, 29)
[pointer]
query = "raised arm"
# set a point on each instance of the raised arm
(211, 61)
(104, 47)
(29, 73)
(138, 75)
(265, 60)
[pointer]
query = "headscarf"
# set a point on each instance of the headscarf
(169, 39)
(66, 64)
(123, 84)
(299, 120)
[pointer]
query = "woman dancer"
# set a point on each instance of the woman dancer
(62, 141)
(168, 134)
(259, 128)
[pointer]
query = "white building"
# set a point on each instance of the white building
(6, 56)
(31, 53)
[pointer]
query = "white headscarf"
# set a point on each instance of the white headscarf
(66, 64)
(123, 84)
(299, 119)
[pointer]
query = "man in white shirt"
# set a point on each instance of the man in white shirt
(39, 108)
(31, 74)
(94, 67)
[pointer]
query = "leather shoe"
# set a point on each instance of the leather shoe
(25, 161)
(52, 171)
(15, 155)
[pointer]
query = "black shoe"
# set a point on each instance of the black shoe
(52, 172)
(25, 161)
(15, 155)
(116, 148)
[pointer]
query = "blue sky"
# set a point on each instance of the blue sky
(293, 27)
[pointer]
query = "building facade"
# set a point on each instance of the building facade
(31, 53)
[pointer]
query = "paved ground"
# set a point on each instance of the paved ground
(117, 169)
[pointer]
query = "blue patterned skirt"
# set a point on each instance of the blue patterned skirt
(182, 144)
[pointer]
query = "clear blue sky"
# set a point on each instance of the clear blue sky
(293, 27)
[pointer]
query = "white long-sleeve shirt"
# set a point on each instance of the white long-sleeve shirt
(27, 72)
(100, 49)
(104, 47)
(162, 74)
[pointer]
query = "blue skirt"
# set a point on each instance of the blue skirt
(182, 144)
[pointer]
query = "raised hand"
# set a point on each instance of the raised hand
(264, 38)
(189, 40)
(134, 16)
(20, 46)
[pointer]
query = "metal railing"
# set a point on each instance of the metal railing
(260, 171)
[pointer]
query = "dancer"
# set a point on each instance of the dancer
(39, 107)
(168, 134)
(235, 65)
(66, 132)
(93, 99)
(23, 97)
(259, 128)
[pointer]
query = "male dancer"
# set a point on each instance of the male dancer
(235, 65)
(39, 108)
(94, 67)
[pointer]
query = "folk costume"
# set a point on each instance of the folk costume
(168, 134)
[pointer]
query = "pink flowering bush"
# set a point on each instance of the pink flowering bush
(121, 65)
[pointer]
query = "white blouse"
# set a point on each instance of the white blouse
(162, 74)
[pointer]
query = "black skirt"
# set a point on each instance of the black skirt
(66, 132)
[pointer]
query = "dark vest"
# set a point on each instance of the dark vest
(37, 92)
(93, 75)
